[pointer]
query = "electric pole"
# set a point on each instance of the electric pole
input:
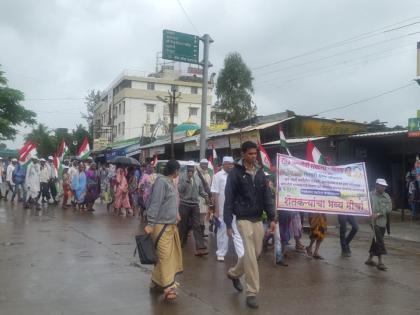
(171, 100)
(206, 64)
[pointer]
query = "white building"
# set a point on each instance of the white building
(130, 106)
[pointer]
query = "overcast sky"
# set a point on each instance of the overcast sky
(61, 49)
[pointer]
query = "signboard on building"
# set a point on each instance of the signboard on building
(237, 139)
(194, 70)
(309, 187)
(180, 47)
(305, 127)
(414, 127)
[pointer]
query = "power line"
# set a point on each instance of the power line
(342, 53)
(56, 99)
(345, 63)
(187, 16)
(340, 43)
(364, 100)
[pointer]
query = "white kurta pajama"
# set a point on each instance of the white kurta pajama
(32, 181)
(218, 187)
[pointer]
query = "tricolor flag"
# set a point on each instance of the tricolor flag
(27, 152)
(63, 150)
(283, 142)
(265, 159)
(58, 166)
(215, 159)
(211, 167)
(84, 149)
(154, 161)
(313, 154)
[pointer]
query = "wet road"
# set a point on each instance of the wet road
(65, 262)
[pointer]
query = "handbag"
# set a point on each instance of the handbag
(147, 248)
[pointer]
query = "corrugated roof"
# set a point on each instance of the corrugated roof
(295, 140)
(379, 134)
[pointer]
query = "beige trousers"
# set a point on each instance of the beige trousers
(252, 234)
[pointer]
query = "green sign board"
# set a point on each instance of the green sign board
(180, 47)
(413, 124)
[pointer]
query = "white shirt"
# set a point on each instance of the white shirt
(72, 172)
(9, 173)
(218, 187)
(45, 174)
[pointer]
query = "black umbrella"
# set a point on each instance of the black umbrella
(127, 161)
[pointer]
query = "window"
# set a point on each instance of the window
(115, 111)
(150, 108)
(119, 109)
(150, 85)
(123, 107)
(194, 90)
(123, 128)
(152, 128)
(193, 111)
(119, 128)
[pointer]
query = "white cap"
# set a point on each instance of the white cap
(42, 160)
(14, 160)
(50, 157)
(266, 174)
(204, 161)
(227, 159)
(90, 158)
(1, 158)
(190, 163)
(382, 182)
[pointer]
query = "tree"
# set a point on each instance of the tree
(46, 141)
(234, 90)
(78, 135)
(91, 100)
(12, 113)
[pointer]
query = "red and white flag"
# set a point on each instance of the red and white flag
(313, 154)
(84, 149)
(265, 159)
(27, 152)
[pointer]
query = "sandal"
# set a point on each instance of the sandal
(370, 263)
(382, 267)
(171, 294)
(308, 251)
(318, 257)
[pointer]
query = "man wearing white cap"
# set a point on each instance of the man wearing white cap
(205, 177)
(9, 177)
(32, 183)
(45, 180)
(218, 192)
(53, 179)
(381, 206)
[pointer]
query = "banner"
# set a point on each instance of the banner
(310, 187)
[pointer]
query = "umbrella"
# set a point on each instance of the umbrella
(128, 161)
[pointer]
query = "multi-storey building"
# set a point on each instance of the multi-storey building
(133, 106)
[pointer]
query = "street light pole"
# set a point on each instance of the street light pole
(206, 64)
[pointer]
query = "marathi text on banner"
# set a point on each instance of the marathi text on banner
(310, 187)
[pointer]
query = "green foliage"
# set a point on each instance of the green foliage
(91, 100)
(12, 113)
(48, 141)
(234, 90)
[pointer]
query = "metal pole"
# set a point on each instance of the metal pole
(172, 102)
(203, 131)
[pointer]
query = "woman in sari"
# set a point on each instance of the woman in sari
(162, 215)
(78, 186)
(66, 187)
(92, 187)
(122, 203)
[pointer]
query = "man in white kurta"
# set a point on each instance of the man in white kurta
(218, 192)
(9, 177)
(32, 183)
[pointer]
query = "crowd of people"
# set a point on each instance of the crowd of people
(240, 205)
(124, 189)
(238, 201)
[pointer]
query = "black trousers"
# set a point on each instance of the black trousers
(190, 216)
(45, 191)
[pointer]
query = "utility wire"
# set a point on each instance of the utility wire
(187, 16)
(345, 63)
(343, 52)
(364, 100)
(343, 42)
